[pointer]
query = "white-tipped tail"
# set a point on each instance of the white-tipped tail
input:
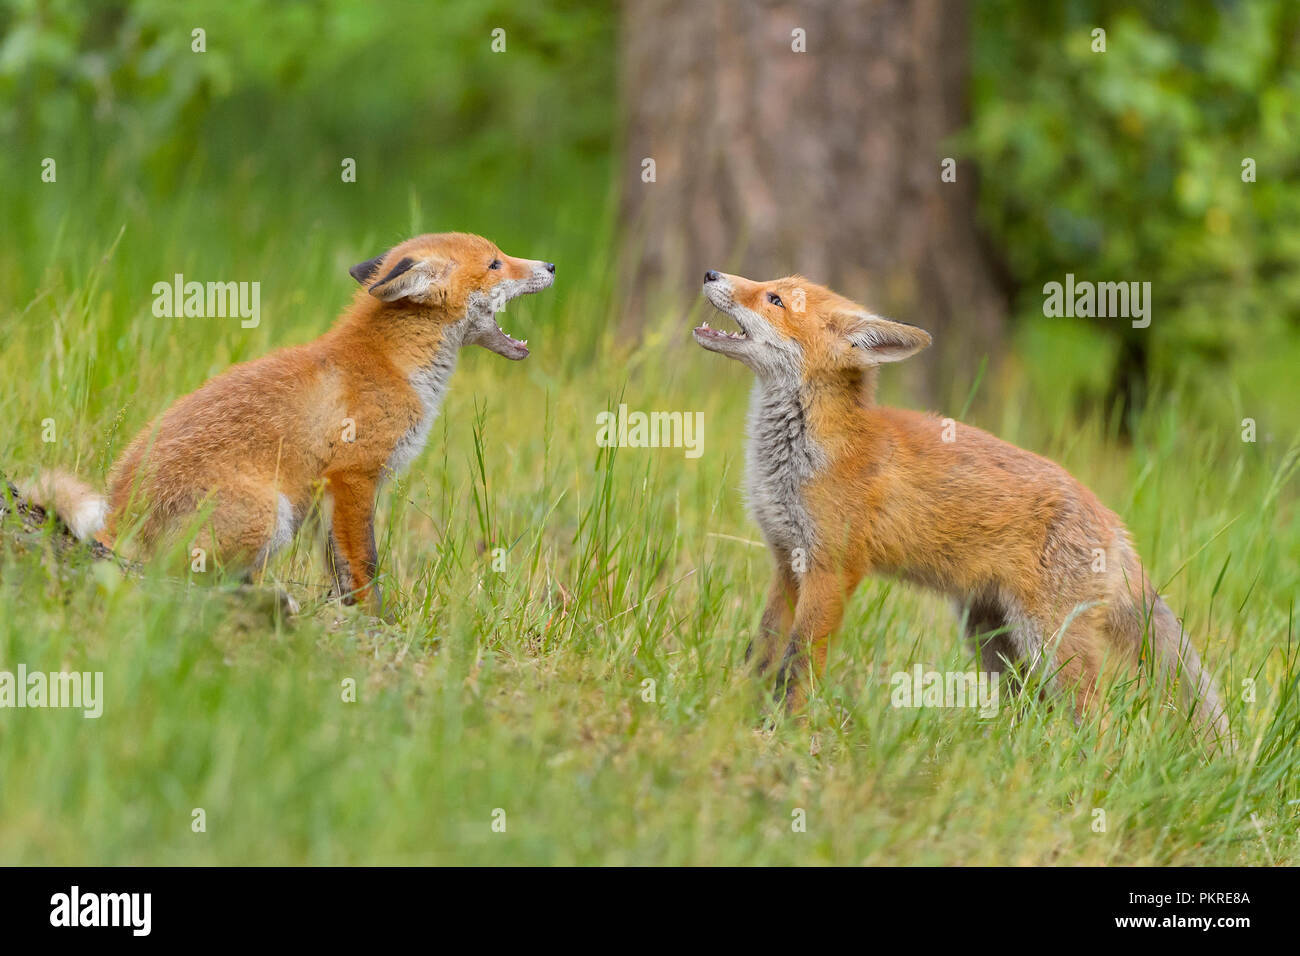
(1181, 663)
(77, 505)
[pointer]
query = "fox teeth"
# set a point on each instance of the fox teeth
(706, 325)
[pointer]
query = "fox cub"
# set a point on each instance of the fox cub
(336, 416)
(1042, 574)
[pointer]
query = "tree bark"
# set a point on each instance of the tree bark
(827, 162)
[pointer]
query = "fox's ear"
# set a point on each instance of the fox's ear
(362, 271)
(422, 281)
(878, 340)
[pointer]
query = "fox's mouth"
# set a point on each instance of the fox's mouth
(705, 332)
(720, 340)
(485, 330)
(503, 343)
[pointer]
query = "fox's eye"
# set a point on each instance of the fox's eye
(496, 264)
(775, 300)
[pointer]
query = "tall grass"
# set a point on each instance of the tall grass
(571, 619)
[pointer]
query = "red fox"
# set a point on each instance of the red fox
(337, 415)
(1041, 572)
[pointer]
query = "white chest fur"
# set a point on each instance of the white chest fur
(781, 457)
(430, 384)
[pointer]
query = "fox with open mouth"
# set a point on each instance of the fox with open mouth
(260, 441)
(1042, 574)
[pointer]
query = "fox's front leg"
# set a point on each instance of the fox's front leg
(778, 618)
(350, 550)
(338, 568)
(817, 615)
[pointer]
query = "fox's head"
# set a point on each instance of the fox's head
(452, 277)
(794, 329)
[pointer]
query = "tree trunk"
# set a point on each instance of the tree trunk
(769, 161)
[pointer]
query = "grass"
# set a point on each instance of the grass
(516, 681)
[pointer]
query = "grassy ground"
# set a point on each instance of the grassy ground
(514, 682)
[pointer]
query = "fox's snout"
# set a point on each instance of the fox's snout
(718, 289)
(514, 277)
(458, 280)
(793, 327)
(526, 269)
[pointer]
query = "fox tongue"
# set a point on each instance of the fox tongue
(502, 344)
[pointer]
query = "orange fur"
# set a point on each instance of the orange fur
(259, 442)
(1038, 566)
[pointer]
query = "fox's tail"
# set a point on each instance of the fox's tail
(77, 505)
(1178, 661)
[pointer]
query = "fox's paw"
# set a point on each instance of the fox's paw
(274, 601)
(789, 688)
(288, 604)
(371, 599)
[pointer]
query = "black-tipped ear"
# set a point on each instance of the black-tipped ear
(423, 281)
(393, 286)
(880, 340)
(362, 271)
(403, 265)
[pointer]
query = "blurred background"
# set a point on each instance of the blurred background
(784, 136)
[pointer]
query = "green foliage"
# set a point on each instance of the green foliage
(251, 134)
(1127, 164)
(524, 688)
